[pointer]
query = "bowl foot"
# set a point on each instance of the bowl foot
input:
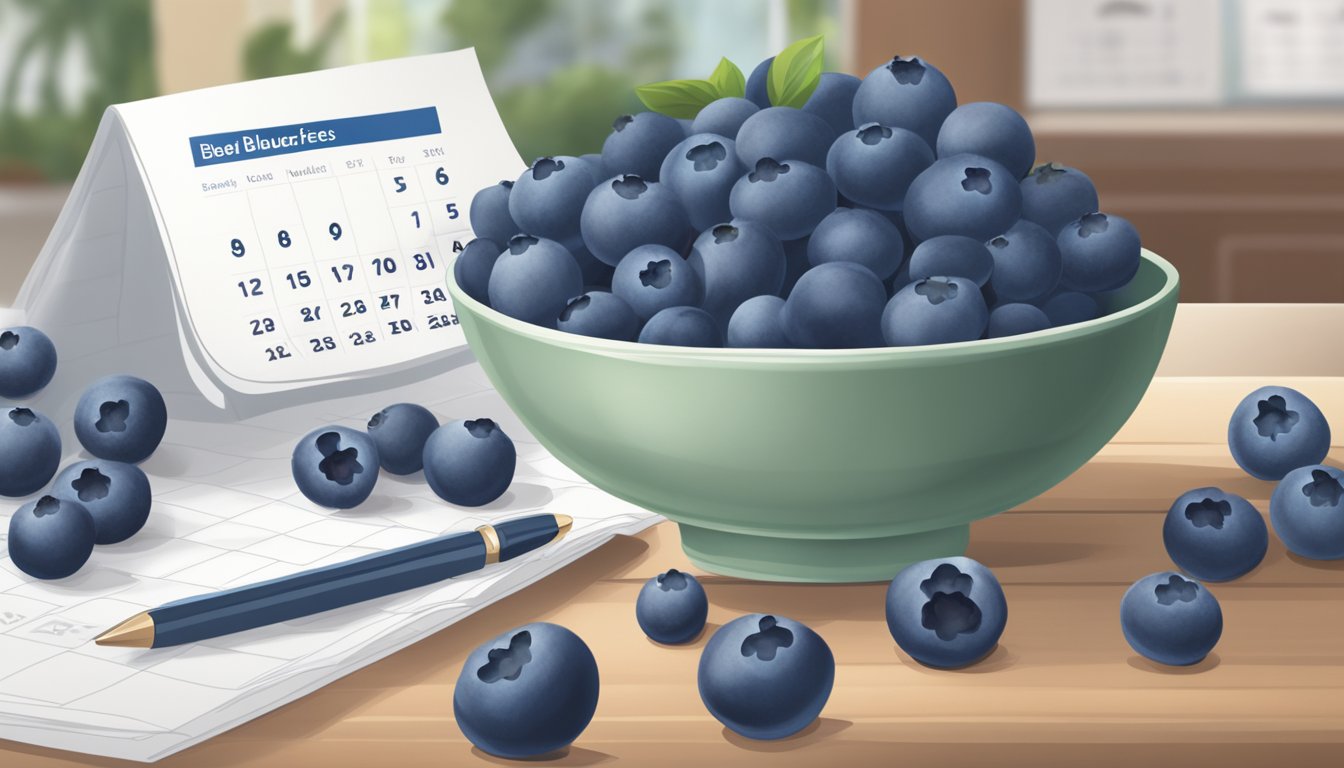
(773, 558)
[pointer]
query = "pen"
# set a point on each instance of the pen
(333, 586)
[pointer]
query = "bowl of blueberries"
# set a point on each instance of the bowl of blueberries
(821, 323)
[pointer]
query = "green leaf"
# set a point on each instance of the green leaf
(728, 80)
(682, 99)
(795, 73)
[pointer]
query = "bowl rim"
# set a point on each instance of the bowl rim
(653, 352)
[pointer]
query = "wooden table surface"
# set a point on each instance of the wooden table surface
(1063, 688)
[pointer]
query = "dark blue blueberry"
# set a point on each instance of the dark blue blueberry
(50, 538)
(874, 165)
(833, 101)
(596, 274)
(473, 266)
(1015, 320)
(116, 494)
(1307, 510)
(954, 256)
(758, 92)
(790, 197)
(963, 195)
(736, 261)
(858, 235)
(121, 418)
(784, 132)
(1213, 535)
(1100, 252)
(906, 93)
(400, 432)
(534, 279)
(1275, 430)
(27, 361)
(672, 607)
(1027, 263)
(682, 327)
(469, 462)
(626, 212)
(946, 613)
(652, 278)
(547, 199)
(758, 324)
(335, 467)
(935, 310)
(30, 451)
(490, 218)
(1171, 619)
(528, 692)
(1069, 307)
(638, 143)
(795, 263)
(600, 314)
(701, 172)
(765, 676)
(991, 130)
(724, 117)
(1054, 195)
(835, 305)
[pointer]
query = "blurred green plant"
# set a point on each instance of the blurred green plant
(270, 50)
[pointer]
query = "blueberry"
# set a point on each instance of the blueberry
(682, 327)
(723, 117)
(766, 677)
(835, 305)
(833, 101)
(858, 235)
(701, 172)
(784, 132)
(121, 418)
(758, 323)
(469, 463)
(953, 256)
(625, 212)
(400, 431)
(30, 451)
(874, 165)
(1307, 510)
(1100, 252)
(963, 195)
(534, 279)
(473, 266)
(51, 538)
(1027, 263)
(638, 143)
(1015, 319)
(596, 274)
(935, 310)
(27, 361)
(795, 263)
(116, 494)
(1069, 307)
(335, 467)
(1274, 430)
(906, 93)
(1054, 195)
(946, 613)
(736, 261)
(528, 692)
(490, 218)
(990, 130)
(1171, 619)
(600, 314)
(652, 278)
(672, 607)
(1213, 535)
(547, 199)
(758, 92)
(790, 197)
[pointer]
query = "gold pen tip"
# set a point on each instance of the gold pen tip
(563, 523)
(135, 632)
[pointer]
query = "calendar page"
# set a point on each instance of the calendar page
(309, 220)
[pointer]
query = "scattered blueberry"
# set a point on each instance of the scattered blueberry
(1054, 195)
(874, 165)
(682, 327)
(50, 538)
(906, 93)
(1275, 430)
(1027, 263)
(990, 130)
(1069, 307)
(858, 235)
(946, 613)
(469, 463)
(935, 310)
(600, 314)
(27, 361)
(758, 92)
(1213, 535)
(652, 278)
(1015, 320)
(724, 117)
(758, 324)
(835, 305)
(1307, 510)
(490, 218)
(952, 256)
(335, 467)
(789, 196)
(701, 172)
(625, 212)
(400, 432)
(1100, 252)
(638, 143)
(473, 266)
(534, 279)
(833, 101)
(963, 195)
(672, 607)
(116, 494)
(30, 451)
(1171, 619)
(736, 261)
(784, 133)
(121, 418)
(528, 692)
(547, 199)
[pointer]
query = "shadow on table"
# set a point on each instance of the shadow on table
(570, 755)
(820, 729)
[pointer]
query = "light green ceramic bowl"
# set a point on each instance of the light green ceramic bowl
(829, 465)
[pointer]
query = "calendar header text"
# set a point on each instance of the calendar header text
(233, 146)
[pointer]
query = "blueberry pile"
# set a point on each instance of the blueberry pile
(800, 209)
